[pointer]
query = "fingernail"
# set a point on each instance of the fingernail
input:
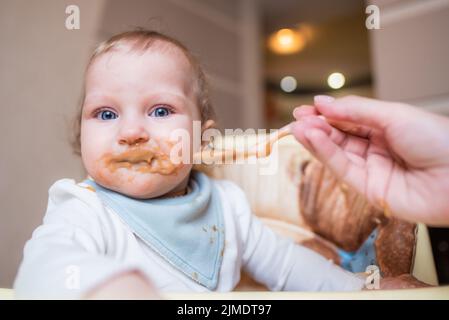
(295, 111)
(323, 99)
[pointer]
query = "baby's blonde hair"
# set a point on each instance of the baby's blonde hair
(142, 40)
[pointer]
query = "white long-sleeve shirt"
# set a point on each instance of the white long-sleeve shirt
(81, 244)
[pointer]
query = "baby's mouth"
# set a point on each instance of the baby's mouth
(151, 160)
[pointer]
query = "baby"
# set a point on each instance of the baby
(141, 223)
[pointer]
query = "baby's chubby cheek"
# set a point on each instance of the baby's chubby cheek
(141, 171)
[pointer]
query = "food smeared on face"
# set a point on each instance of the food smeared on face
(148, 159)
(135, 103)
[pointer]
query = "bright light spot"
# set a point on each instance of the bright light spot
(288, 84)
(285, 37)
(286, 41)
(336, 80)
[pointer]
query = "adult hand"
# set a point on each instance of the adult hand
(396, 155)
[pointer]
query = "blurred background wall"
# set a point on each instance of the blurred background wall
(330, 37)
(411, 53)
(248, 48)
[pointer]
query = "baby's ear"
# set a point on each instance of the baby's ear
(209, 124)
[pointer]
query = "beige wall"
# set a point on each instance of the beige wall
(41, 74)
(411, 53)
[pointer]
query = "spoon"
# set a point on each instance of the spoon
(260, 149)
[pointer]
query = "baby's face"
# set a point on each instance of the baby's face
(133, 103)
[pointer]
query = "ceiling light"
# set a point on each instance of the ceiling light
(288, 84)
(286, 41)
(336, 80)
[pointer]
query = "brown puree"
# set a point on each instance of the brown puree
(143, 160)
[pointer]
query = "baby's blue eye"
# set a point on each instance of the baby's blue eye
(107, 115)
(160, 112)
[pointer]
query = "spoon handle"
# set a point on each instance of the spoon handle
(259, 150)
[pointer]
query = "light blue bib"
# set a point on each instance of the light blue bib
(187, 231)
(359, 260)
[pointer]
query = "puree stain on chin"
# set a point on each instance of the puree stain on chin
(142, 159)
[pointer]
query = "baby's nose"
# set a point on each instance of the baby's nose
(133, 136)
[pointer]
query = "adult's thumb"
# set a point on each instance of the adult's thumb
(359, 110)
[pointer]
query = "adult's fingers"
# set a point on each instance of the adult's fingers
(299, 113)
(304, 111)
(363, 111)
(352, 128)
(335, 158)
(298, 129)
(348, 142)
